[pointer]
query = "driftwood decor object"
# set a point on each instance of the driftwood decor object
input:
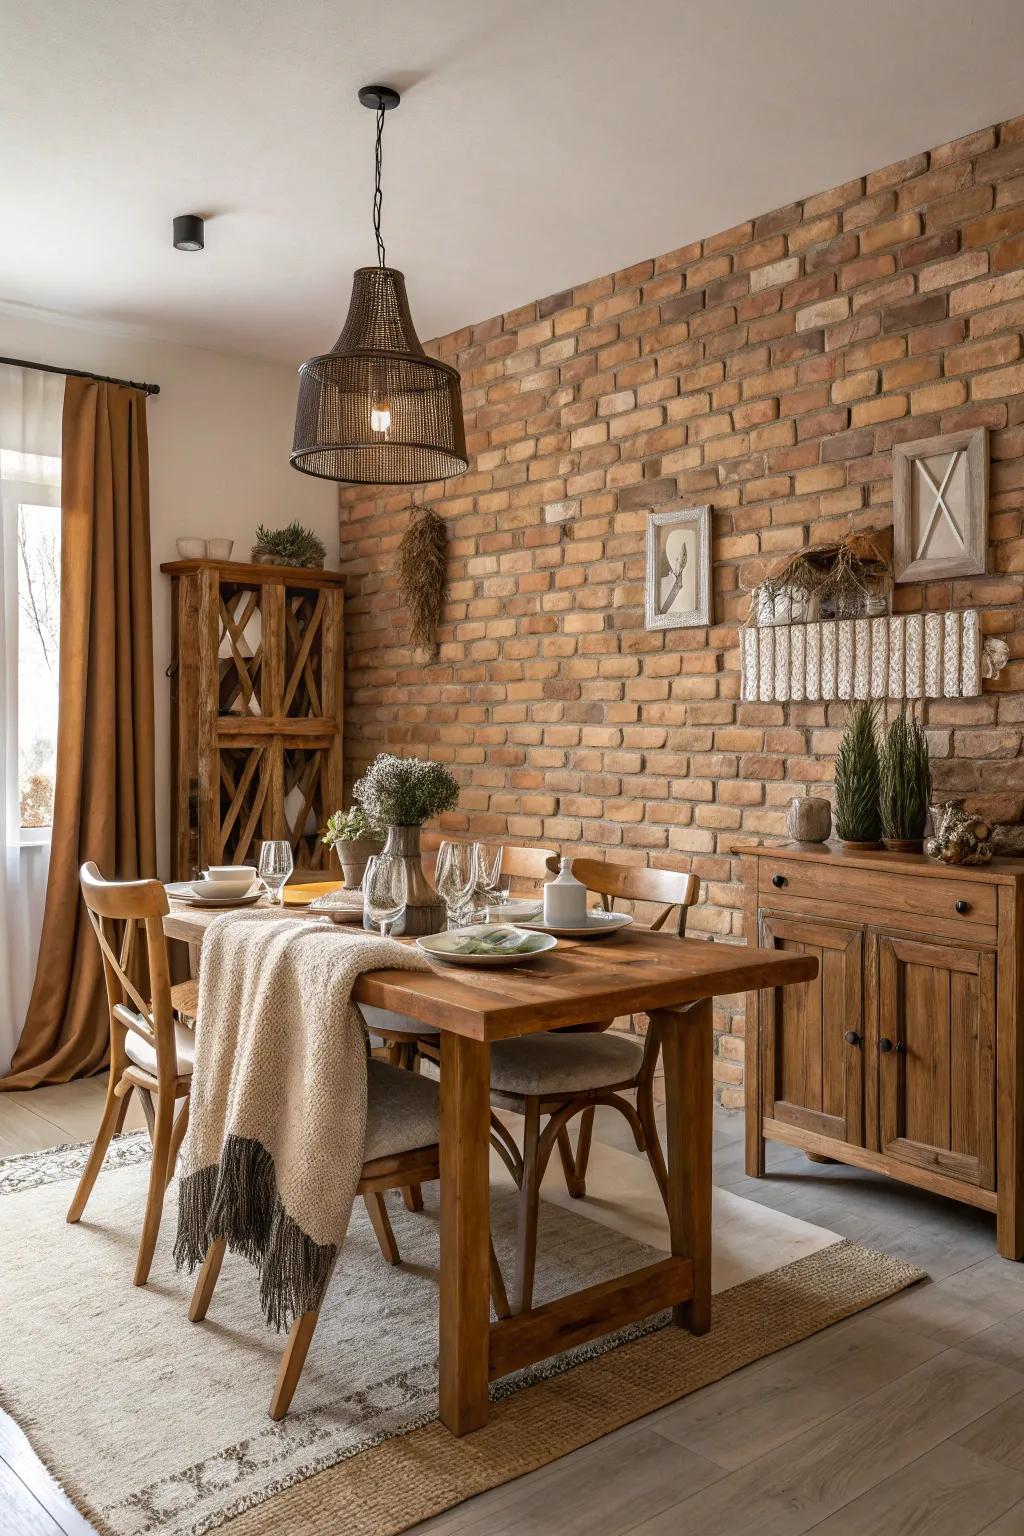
(423, 576)
(903, 1055)
(256, 696)
(940, 506)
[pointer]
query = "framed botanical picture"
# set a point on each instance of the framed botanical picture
(940, 506)
(678, 591)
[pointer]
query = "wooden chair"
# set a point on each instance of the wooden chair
(151, 1047)
(565, 1073)
(402, 1129)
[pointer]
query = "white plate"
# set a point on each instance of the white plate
(598, 926)
(515, 911)
(340, 906)
(440, 946)
(181, 890)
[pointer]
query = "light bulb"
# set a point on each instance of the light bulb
(380, 416)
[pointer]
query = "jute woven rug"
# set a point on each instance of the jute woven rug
(156, 1427)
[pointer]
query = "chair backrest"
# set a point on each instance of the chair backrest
(533, 864)
(119, 911)
(676, 888)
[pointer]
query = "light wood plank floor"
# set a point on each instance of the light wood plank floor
(907, 1421)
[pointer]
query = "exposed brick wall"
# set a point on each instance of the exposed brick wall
(767, 370)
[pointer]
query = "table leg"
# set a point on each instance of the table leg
(687, 1048)
(465, 1232)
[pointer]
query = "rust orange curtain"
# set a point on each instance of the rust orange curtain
(104, 800)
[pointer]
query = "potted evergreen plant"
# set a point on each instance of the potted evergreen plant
(354, 838)
(858, 821)
(401, 793)
(905, 784)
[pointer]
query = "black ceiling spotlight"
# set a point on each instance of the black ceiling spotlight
(376, 410)
(188, 232)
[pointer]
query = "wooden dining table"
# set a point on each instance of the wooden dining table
(633, 971)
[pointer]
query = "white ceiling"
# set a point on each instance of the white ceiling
(539, 142)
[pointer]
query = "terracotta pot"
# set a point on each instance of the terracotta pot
(860, 847)
(904, 844)
(353, 854)
(425, 912)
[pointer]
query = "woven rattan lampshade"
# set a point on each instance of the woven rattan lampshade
(378, 368)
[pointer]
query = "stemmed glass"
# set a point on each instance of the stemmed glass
(455, 879)
(385, 890)
(276, 864)
(489, 883)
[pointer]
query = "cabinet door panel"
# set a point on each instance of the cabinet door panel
(813, 1077)
(936, 1009)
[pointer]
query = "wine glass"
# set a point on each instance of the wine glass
(276, 864)
(385, 890)
(489, 882)
(455, 878)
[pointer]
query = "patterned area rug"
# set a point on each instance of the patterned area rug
(157, 1427)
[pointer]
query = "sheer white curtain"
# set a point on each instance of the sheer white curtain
(31, 408)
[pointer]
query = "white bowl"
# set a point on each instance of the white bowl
(219, 549)
(230, 871)
(191, 549)
(235, 882)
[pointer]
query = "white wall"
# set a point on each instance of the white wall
(219, 436)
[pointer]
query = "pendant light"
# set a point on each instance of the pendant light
(376, 409)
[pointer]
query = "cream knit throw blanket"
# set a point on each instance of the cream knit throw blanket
(274, 1148)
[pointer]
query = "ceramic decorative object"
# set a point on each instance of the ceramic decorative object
(960, 838)
(809, 819)
(355, 839)
(424, 912)
(219, 549)
(565, 899)
(191, 549)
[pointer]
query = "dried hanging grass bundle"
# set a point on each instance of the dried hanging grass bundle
(423, 575)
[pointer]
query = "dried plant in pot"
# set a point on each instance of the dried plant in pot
(905, 783)
(354, 837)
(401, 793)
(858, 819)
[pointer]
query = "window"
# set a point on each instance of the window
(30, 492)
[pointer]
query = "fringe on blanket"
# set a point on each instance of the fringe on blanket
(237, 1199)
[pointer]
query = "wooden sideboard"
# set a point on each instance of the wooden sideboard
(905, 1055)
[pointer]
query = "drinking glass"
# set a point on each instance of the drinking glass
(491, 888)
(455, 879)
(276, 864)
(385, 890)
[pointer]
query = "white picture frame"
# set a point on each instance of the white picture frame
(677, 594)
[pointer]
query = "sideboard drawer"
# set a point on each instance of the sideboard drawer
(872, 892)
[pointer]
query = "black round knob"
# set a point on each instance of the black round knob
(778, 881)
(892, 1045)
(885, 1044)
(962, 907)
(851, 1037)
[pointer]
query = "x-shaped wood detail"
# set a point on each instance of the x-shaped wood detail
(313, 765)
(940, 506)
(302, 639)
(235, 615)
(238, 792)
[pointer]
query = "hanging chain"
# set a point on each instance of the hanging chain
(377, 195)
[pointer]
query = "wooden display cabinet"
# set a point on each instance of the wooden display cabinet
(256, 710)
(904, 1055)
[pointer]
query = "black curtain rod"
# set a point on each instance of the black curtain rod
(80, 373)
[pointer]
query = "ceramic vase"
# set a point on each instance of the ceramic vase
(353, 854)
(425, 912)
(809, 819)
